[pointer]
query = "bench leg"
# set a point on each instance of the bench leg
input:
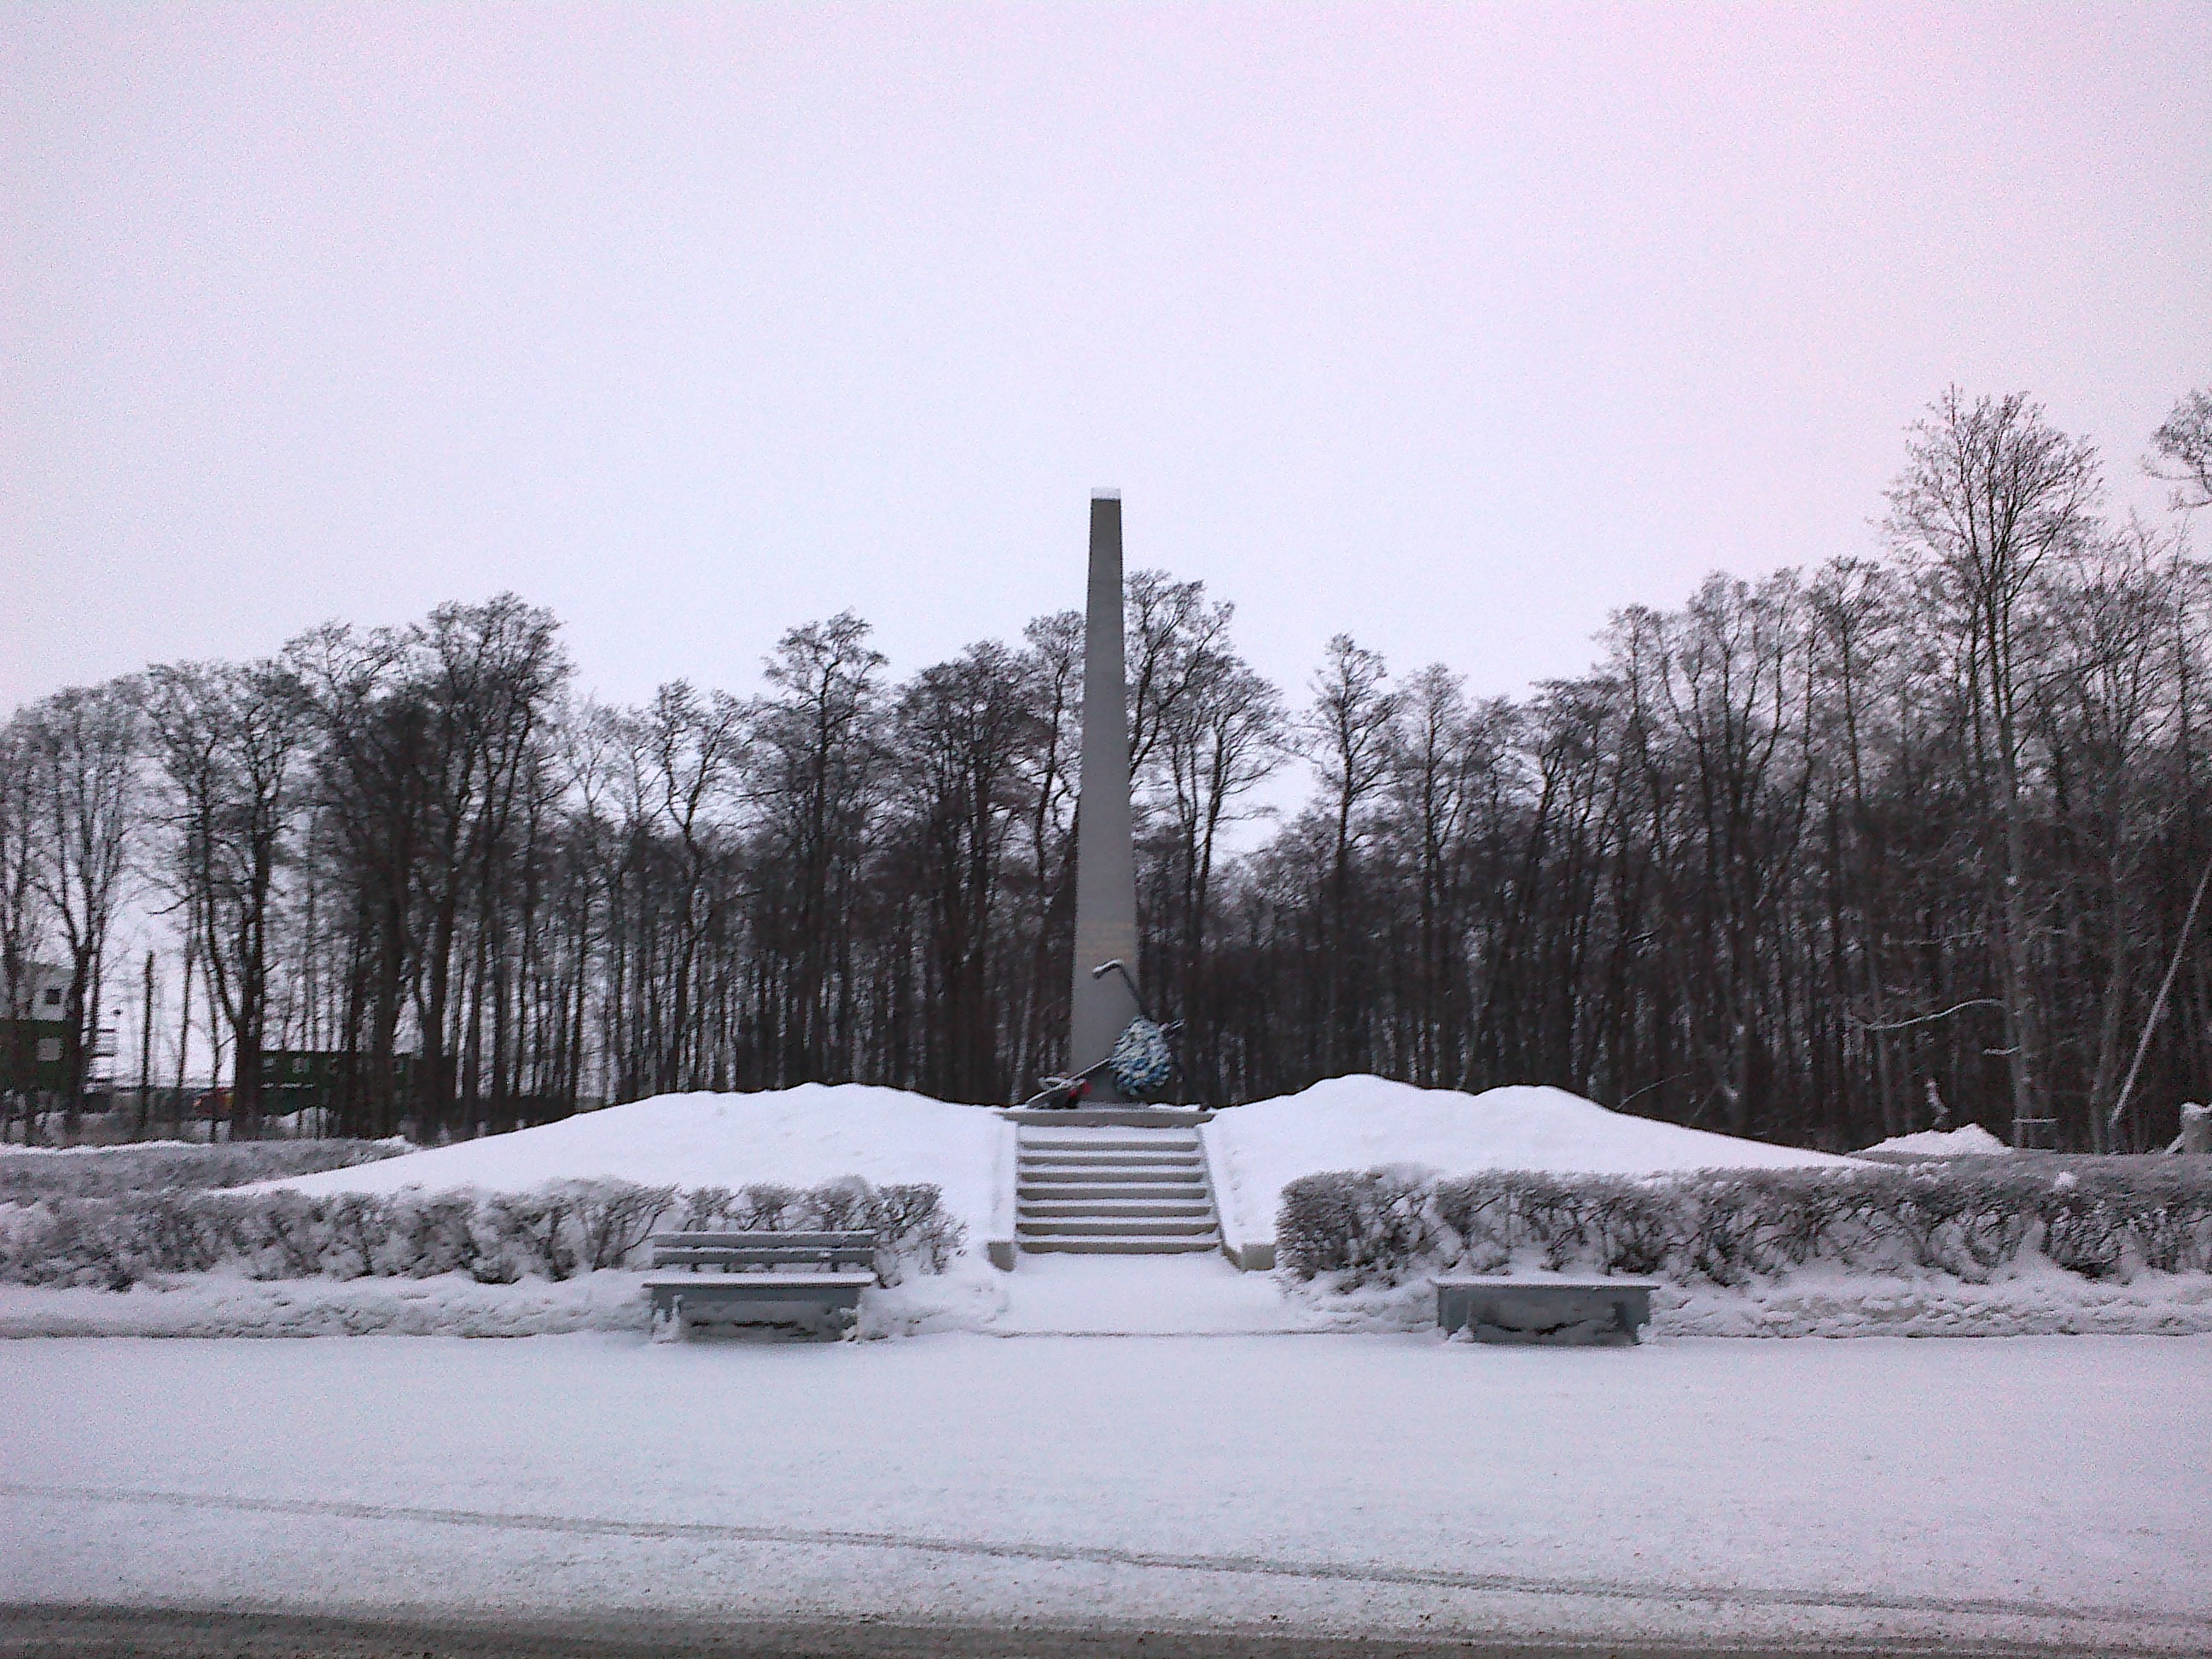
(669, 1327)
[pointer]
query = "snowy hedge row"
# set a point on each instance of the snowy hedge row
(2102, 1218)
(92, 1172)
(559, 1230)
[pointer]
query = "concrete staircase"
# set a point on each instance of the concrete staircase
(1112, 1191)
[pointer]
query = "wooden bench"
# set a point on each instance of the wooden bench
(1606, 1311)
(812, 1280)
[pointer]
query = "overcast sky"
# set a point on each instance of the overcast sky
(1451, 328)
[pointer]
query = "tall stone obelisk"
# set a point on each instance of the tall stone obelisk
(1105, 856)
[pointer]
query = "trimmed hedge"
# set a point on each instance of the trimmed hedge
(559, 1230)
(2099, 1217)
(115, 1171)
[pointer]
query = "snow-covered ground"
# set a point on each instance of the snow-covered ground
(1368, 1122)
(799, 1137)
(1969, 1140)
(1155, 1296)
(2045, 1491)
(1051, 1295)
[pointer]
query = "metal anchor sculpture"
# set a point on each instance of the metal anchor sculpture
(1140, 1062)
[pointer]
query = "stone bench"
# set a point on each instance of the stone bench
(812, 1280)
(1607, 1310)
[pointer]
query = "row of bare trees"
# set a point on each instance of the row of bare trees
(1821, 857)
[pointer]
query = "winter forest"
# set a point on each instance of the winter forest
(1819, 857)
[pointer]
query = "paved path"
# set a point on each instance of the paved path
(1196, 1295)
(131, 1633)
(2046, 1493)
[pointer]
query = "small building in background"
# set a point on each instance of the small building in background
(34, 1035)
(315, 1080)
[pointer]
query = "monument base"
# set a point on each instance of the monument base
(1108, 1117)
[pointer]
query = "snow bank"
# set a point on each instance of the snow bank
(1100, 1296)
(10, 1149)
(225, 1305)
(1972, 1141)
(137, 1167)
(1363, 1123)
(2040, 1302)
(968, 1297)
(1049, 1296)
(798, 1137)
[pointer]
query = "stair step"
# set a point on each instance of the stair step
(1094, 1148)
(1156, 1175)
(1135, 1195)
(1134, 1225)
(1094, 1171)
(1113, 1191)
(1107, 1227)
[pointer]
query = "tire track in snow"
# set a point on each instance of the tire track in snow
(1110, 1556)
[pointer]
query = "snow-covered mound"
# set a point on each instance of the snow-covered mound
(799, 1137)
(1365, 1122)
(1971, 1141)
(10, 1149)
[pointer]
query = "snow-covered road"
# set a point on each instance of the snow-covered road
(2039, 1490)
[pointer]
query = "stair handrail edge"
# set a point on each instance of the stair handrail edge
(1250, 1255)
(999, 1247)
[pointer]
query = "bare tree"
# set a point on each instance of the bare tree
(1446, 751)
(22, 922)
(963, 730)
(1175, 635)
(694, 747)
(1203, 731)
(817, 772)
(2108, 711)
(85, 747)
(1991, 493)
(488, 677)
(229, 739)
(1043, 891)
(2183, 446)
(375, 791)
(1714, 745)
(1855, 614)
(1346, 734)
(1789, 855)
(1228, 741)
